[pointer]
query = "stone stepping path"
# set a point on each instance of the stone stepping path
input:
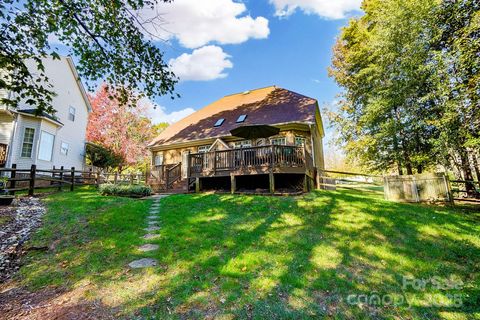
(148, 247)
(153, 225)
(143, 263)
(150, 236)
(150, 229)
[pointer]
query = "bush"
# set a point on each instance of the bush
(108, 189)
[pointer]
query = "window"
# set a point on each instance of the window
(27, 146)
(46, 146)
(158, 160)
(279, 141)
(71, 114)
(299, 141)
(243, 144)
(219, 122)
(203, 149)
(64, 148)
(242, 118)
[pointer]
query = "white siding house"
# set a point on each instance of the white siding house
(48, 140)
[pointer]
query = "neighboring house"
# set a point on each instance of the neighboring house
(48, 140)
(200, 149)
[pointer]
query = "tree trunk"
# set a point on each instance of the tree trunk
(419, 169)
(399, 168)
(476, 167)
(467, 173)
(408, 165)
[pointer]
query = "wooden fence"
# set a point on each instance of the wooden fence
(407, 188)
(431, 187)
(30, 179)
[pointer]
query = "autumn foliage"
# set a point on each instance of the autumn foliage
(122, 128)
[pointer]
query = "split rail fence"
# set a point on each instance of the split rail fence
(33, 178)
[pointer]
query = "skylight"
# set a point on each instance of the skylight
(241, 118)
(219, 122)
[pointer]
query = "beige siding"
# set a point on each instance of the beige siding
(6, 127)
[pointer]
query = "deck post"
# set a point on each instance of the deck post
(197, 184)
(271, 180)
(305, 183)
(215, 162)
(187, 174)
(233, 184)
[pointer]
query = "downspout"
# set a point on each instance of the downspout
(311, 142)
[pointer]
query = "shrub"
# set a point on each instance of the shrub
(108, 189)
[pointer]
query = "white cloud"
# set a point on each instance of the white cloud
(196, 23)
(205, 63)
(159, 114)
(330, 9)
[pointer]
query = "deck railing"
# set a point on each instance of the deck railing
(251, 157)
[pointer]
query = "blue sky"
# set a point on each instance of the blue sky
(220, 47)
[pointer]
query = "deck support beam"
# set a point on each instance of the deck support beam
(306, 183)
(271, 180)
(197, 185)
(233, 184)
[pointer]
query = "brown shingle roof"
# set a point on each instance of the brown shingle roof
(269, 105)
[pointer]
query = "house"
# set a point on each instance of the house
(200, 150)
(48, 140)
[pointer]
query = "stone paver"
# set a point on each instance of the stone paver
(149, 229)
(153, 217)
(150, 236)
(143, 263)
(148, 247)
(153, 223)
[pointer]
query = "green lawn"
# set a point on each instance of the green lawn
(226, 256)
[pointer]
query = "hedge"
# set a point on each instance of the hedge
(109, 189)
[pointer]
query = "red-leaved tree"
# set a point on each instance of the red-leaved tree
(121, 128)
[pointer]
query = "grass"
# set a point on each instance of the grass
(318, 255)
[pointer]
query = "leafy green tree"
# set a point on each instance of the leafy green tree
(457, 85)
(109, 39)
(159, 127)
(380, 59)
(102, 157)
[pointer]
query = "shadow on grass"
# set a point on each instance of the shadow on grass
(263, 257)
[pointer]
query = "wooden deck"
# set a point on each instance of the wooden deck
(250, 161)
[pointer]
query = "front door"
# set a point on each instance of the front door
(185, 164)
